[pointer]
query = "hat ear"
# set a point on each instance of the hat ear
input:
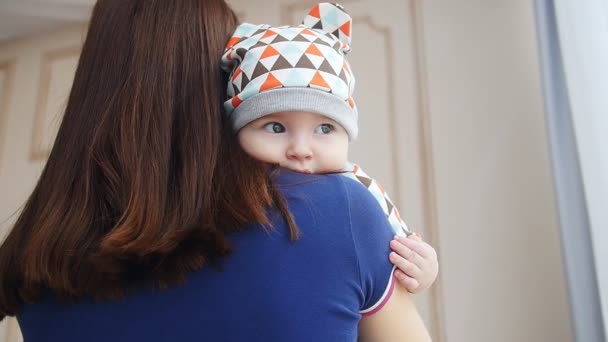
(243, 31)
(232, 51)
(331, 18)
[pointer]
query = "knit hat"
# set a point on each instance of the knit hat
(292, 68)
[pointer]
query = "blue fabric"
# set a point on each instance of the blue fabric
(270, 289)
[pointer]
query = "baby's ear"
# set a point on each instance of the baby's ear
(331, 18)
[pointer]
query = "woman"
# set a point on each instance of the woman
(148, 224)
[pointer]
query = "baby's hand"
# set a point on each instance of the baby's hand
(416, 262)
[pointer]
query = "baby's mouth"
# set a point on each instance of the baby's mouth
(299, 169)
(307, 171)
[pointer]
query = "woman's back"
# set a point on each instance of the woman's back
(268, 289)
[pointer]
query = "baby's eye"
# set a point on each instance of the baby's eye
(324, 129)
(274, 127)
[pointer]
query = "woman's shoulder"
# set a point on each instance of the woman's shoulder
(331, 188)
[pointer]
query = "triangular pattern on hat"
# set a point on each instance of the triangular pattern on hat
(332, 58)
(259, 44)
(259, 70)
(269, 51)
(319, 82)
(278, 38)
(320, 41)
(271, 83)
(236, 74)
(244, 81)
(314, 50)
(300, 38)
(236, 101)
(305, 63)
(252, 88)
(261, 29)
(345, 29)
(326, 67)
(315, 12)
(236, 82)
(268, 37)
(330, 21)
(281, 63)
(294, 77)
(240, 52)
(339, 88)
(315, 60)
(351, 102)
(343, 76)
(248, 66)
(269, 62)
(289, 33)
(318, 25)
(336, 32)
(330, 18)
(233, 41)
(328, 40)
(308, 38)
(246, 30)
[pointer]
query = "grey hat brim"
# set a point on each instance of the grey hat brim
(296, 99)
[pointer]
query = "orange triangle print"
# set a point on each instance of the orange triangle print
(271, 83)
(269, 52)
(315, 12)
(314, 50)
(346, 28)
(232, 41)
(351, 102)
(269, 33)
(236, 101)
(308, 32)
(237, 73)
(319, 81)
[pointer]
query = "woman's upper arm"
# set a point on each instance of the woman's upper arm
(389, 314)
(397, 320)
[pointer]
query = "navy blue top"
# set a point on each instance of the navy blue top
(270, 289)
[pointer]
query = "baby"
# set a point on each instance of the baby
(290, 101)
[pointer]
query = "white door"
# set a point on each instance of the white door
(35, 78)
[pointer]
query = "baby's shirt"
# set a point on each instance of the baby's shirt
(353, 171)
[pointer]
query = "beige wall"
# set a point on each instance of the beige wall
(457, 84)
(502, 271)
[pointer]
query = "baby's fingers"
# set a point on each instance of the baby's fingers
(406, 266)
(411, 284)
(420, 247)
(403, 250)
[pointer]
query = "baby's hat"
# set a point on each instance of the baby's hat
(292, 68)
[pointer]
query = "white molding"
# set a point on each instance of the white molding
(69, 12)
(20, 18)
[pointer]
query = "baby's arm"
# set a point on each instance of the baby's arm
(416, 260)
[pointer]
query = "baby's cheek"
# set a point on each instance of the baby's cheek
(335, 161)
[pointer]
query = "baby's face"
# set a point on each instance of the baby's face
(300, 141)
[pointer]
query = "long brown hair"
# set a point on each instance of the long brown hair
(145, 178)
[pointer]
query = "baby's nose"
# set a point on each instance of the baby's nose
(299, 151)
